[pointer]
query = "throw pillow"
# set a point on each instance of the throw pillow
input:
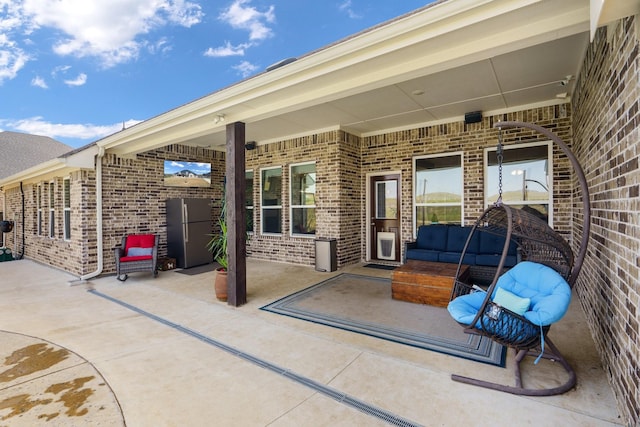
(139, 251)
(511, 302)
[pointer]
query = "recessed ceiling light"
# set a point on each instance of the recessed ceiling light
(417, 92)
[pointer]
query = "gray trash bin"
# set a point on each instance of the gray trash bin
(326, 254)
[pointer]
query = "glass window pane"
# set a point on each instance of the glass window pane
(436, 214)
(303, 185)
(248, 184)
(67, 193)
(303, 220)
(387, 199)
(272, 221)
(438, 180)
(438, 190)
(272, 187)
(524, 176)
(67, 225)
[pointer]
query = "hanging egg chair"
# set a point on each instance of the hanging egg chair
(521, 303)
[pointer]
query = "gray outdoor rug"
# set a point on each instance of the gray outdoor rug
(364, 305)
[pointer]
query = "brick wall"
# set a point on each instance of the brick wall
(395, 151)
(607, 144)
(133, 202)
(337, 189)
(68, 255)
(134, 194)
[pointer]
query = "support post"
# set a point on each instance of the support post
(236, 215)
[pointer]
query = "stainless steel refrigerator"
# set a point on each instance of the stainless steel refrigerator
(189, 228)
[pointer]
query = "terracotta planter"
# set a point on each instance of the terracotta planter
(220, 284)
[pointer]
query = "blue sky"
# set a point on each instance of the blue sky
(76, 70)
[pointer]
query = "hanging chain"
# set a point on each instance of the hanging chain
(500, 155)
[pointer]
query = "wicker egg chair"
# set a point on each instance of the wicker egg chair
(519, 306)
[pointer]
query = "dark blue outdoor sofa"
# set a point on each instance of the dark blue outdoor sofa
(444, 243)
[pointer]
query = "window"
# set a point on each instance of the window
(271, 191)
(52, 211)
(248, 182)
(39, 205)
(66, 196)
(303, 198)
(438, 189)
(525, 178)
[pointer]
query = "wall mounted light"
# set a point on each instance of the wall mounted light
(473, 117)
(251, 145)
(219, 118)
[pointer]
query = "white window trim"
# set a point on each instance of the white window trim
(291, 206)
(39, 219)
(262, 207)
(66, 209)
(413, 189)
(516, 146)
(251, 209)
(51, 196)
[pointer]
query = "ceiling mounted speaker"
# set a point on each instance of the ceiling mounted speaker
(473, 117)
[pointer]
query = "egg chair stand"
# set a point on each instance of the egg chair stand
(544, 275)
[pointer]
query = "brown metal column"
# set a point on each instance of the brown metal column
(236, 215)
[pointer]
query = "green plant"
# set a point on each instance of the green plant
(218, 243)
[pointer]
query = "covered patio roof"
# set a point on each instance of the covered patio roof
(428, 67)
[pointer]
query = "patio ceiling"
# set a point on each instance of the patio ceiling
(428, 67)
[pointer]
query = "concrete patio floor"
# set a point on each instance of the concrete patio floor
(157, 353)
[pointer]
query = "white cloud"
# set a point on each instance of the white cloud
(245, 68)
(346, 7)
(78, 81)
(60, 69)
(241, 16)
(227, 50)
(111, 31)
(160, 46)
(38, 81)
(12, 58)
(38, 126)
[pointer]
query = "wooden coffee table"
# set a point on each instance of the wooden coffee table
(426, 282)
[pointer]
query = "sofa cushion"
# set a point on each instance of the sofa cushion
(432, 237)
(454, 257)
(457, 237)
(549, 292)
(423, 254)
(492, 260)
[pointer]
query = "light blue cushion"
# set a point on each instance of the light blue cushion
(511, 301)
(139, 251)
(549, 293)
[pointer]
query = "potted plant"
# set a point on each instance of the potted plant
(218, 246)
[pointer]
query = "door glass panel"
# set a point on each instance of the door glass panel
(387, 199)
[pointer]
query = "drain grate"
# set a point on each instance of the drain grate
(334, 394)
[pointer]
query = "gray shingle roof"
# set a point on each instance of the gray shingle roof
(20, 151)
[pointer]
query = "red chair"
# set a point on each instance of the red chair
(137, 252)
